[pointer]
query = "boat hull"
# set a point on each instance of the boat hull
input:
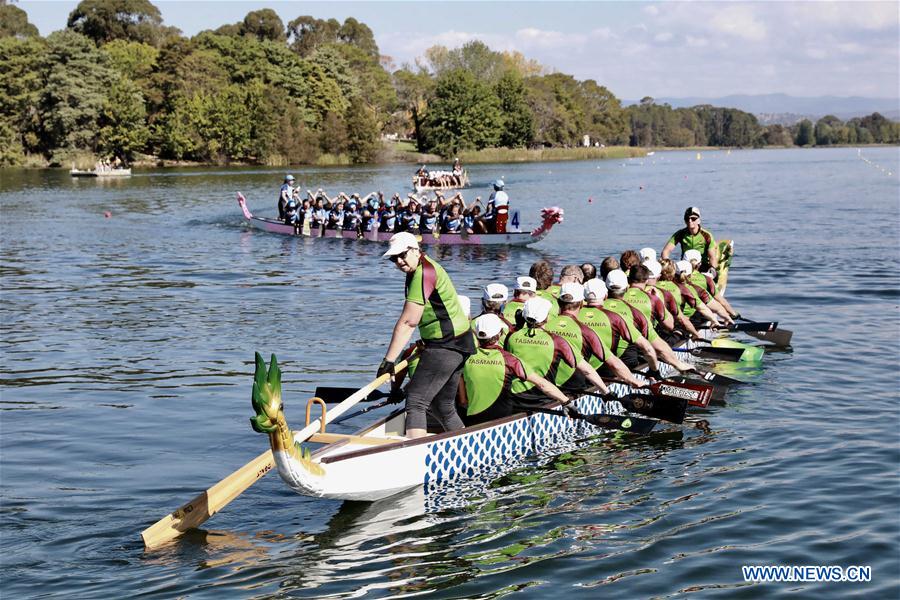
(351, 471)
(111, 173)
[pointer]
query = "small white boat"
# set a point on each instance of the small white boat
(100, 173)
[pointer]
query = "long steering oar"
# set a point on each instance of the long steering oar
(333, 395)
(197, 511)
(621, 422)
(779, 337)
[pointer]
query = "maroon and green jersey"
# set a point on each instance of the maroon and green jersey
(443, 321)
(488, 376)
(632, 316)
(701, 241)
(584, 341)
(613, 331)
(544, 353)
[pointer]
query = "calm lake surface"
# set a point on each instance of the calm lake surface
(127, 363)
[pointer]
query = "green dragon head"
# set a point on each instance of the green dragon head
(266, 397)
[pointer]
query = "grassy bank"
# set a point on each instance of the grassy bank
(511, 155)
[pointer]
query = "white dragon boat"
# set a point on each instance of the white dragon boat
(430, 187)
(100, 172)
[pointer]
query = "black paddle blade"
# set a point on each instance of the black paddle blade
(755, 326)
(333, 395)
(657, 407)
(621, 422)
(716, 379)
(779, 337)
(731, 354)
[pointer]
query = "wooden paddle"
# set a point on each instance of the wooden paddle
(333, 395)
(695, 392)
(194, 513)
(620, 422)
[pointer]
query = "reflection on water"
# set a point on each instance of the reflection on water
(126, 356)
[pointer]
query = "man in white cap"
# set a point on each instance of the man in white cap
(497, 209)
(546, 353)
(693, 236)
(526, 288)
(490, 373)
(706, 282)
(433, 306)
(616, 333)
(285, 195)
(617, 285)
(584, 340)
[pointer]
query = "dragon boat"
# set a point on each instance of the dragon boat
(549, 218)
(463, 183)
(378, 461)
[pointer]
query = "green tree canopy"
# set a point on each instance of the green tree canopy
(264, 24)
(107, 20)
(14, 22)
(805, 136)
(518, 124)
(463, 115)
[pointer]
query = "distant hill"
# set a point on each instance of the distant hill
(787, 110)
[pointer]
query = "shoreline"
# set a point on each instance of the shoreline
(395, 155)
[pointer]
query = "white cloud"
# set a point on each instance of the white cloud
(739, 21)
(663, 38)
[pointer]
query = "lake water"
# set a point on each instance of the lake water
(127, 361)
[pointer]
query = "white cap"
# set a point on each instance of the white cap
(495, 292)
(526, 283)
(536, 309)
(647, 254)
(617, 280)
(692, 255)
(595, 290)
(466, 304)
(683, 266)
(487, 326)
(571, 292)
(655, 268)
(400, 243)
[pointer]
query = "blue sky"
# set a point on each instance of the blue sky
(636, 49)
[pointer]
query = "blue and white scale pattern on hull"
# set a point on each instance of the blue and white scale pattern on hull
(505, 446)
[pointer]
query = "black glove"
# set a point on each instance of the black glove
(654, 374)
(519, 319)
(570, 410)
(386, 366)
(609, 397)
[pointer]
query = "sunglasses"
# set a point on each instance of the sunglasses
(693, 218)
(402, 255)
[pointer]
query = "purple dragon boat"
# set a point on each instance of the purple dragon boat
(549, 217)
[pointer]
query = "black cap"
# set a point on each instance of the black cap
(691, 210)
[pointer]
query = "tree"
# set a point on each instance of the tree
(23, 62)
(14, 22)
(107, 20)
(307, 33)
(413, 91)
(362, 132)
(607, 121)
(76, 80)
(359, 35)
(264, 24)
(475, 56)
(123, 121)
(804, 133)
(518, 123)
(555, 101)
(463, 115)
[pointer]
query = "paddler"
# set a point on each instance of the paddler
(489, 375)
(584, 340)
(685, 269)
(433, 306)
(526, 288)
(493, 299)
(694, 237)
(617, 285)
(543, 274)
(548, 355)
(616, 333)
(706, 281)
(673, 279)
(672, 302)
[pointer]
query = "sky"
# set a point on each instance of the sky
(636, 49)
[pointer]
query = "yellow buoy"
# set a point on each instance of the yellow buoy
(698, 156)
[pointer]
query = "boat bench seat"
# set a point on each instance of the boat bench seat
(331, 438)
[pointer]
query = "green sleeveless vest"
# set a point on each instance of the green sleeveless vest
(565, 327)
(535, 348)
(484, 374)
